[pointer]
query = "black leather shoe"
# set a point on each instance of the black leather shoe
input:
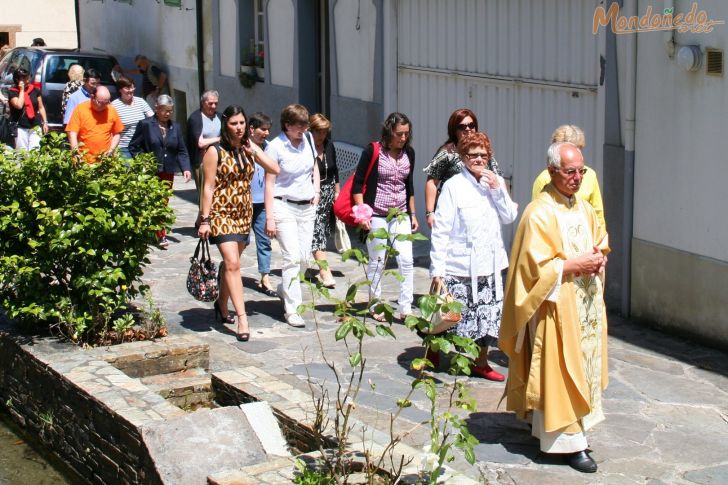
(581, 462)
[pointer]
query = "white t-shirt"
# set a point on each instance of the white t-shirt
(130, 115)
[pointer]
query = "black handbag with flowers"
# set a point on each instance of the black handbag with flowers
(202, 277)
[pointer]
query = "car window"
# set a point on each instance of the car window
(12, 60)
(58, 65)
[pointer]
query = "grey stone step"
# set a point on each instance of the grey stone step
(187, 449)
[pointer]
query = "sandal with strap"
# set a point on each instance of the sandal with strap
(379, 317)
(242, 336)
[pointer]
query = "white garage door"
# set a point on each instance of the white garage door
(523, 66)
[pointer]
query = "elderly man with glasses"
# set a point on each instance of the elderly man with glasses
(554, 326)
(96, 124)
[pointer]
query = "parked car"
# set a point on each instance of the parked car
(49, 70)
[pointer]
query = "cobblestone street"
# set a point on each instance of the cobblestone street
(667, 402)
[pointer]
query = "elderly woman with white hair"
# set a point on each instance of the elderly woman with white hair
(589, 190)
(162, 137)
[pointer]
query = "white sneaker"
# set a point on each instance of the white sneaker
(295, 320)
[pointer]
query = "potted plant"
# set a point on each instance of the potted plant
(249, 60)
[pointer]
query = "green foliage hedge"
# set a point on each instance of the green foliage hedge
(74, 237)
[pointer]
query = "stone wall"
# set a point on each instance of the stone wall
(76, 427)
(85, 410)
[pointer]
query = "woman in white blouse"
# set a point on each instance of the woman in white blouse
(291, 198)
(467, 253)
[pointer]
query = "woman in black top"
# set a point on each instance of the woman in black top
(27, 110)
(320, 128)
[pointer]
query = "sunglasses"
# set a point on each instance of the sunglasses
(467, 126)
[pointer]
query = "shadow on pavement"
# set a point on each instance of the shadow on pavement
(411, 353)
(188, 231)
(186, 194)
(201, 320)
(659, 341)
(503, 428)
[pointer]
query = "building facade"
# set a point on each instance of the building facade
(53, 20)
(524, 67)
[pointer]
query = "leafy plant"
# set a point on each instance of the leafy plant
(123, 324)
(75, 235)
(154, 323)
(247, 80)
(309, 476)
(448, 429)
(46, 419)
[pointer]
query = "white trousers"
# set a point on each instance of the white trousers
(404, 260)
(294, 232)
(27, 139)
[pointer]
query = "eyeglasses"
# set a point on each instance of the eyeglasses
(102, 101)
(570, 172)
(476, 156)
(467, 126)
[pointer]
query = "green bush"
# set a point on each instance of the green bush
(74, 237)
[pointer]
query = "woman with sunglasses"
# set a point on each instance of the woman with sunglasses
(467, 253)
(227, 209)
(27, 110)
(447, 162)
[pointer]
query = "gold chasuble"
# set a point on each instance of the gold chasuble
(555, 333)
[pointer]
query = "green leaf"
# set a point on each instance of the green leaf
(428, 305)
(355, 359)
(385, 331)
(380, 233)
(404, 403)
(395, 274)
(343, 329)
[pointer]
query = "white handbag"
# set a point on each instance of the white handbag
(341, 237)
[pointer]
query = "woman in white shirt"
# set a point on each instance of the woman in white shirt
(291, 197)
(467, 253)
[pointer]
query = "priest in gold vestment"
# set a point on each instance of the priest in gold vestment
(554, 326)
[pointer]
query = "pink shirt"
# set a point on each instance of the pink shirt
(391, 183)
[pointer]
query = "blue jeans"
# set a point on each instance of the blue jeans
(125, 153)
(262, 242)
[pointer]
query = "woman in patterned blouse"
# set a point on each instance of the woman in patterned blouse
(227, 207)
(447, 162)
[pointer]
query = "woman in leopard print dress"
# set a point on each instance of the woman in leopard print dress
(227, 207)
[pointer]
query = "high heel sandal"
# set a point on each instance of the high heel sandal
(218, 314)
(242, 336)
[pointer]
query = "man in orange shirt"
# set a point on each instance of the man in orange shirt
(96, 124)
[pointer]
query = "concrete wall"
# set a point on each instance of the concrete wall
(680, 226)
(54, 21)
(166, 35)
(680, 291)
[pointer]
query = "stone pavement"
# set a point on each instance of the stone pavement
(667, 403)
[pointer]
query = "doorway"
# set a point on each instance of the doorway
(314, 78)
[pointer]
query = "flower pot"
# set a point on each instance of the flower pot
(244, 69)
(260, 71)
